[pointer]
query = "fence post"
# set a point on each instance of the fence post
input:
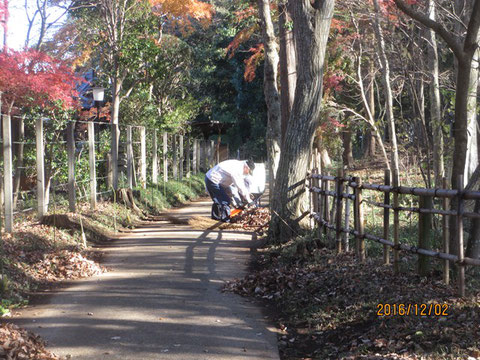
(143, 158)
(346, 236)
(41, 206)
(91, 157)
(129, 157)
(459, 238)
(396, 223)
(175, 157)
(424, 234)
(71, 165)
(326, 186)
(194, 157)
(155, 159)
(164, 155)
(212, 153)
(359, 221)
(203, 155)
(8, 172)
(446, 239)
(339, 191)
(386, 220)
(114, 149)
(321, 201)
(188, 148)
(180, 158)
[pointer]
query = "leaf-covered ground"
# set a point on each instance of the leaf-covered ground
(16, 343)
(326, 308)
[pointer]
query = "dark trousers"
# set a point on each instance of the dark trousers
(221, 201)
(216, 192)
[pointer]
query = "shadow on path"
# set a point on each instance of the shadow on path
(161, 300)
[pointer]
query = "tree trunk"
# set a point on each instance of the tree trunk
(473, 246)
(472, 144)
(388, 94)
(311, 29)
(435, 104)
(371, 138)
(288, 71)
(272, 97)
(347, 147)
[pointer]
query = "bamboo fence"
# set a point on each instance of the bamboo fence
(335, 216)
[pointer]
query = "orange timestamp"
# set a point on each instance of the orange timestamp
(412, 309)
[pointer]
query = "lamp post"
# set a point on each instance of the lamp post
(98, 94)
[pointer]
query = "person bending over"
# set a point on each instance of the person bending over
(219, 178)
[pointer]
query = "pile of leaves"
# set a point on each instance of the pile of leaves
(16, 343)
(329, 304)
(257, 218)
(63, 265)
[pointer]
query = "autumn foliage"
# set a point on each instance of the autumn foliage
(180, 12)
(33, 78)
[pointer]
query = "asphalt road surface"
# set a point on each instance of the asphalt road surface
(161, 299)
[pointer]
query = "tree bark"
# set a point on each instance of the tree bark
(388, 94)
(272, 97)
(435, 103)
(371, 139)
(288, 71)
(311, 21)
(347, 147)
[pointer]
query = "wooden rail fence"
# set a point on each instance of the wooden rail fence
(180, 155)
(348, 191)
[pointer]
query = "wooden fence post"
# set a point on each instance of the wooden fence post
(194, 157)
(41, 205)
(71, 165)
(188, 165)
(424, 234)
(326, 199)
(212, 153)
(446, 236)
(203, 155)
(155, 159)
(8, 172)
(129, 157)
(386, 220)
(143, 158)
(321, 201)
(175, 157)
(180, 158)
(459, 238)
(346, 235)
(396, 223)
(114, 150)
(164, 156)
(93, 172)
(359, 221)
(339, 191)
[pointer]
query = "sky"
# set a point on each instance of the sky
(18, 24)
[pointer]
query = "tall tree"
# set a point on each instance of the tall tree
(435, 104)
(311, 25)
(288, 71)
(388, 93)
(272, 96)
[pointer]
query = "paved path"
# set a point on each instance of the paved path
(161, 300)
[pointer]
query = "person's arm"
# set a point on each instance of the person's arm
(242, 189)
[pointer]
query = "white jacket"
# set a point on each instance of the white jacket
(227, 173)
